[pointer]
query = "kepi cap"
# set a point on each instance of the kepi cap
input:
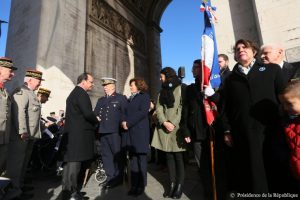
(34, 74)
(44, 91)
(7, 63)
(107, 80)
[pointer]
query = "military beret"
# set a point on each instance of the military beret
(34, 74)
(44, 91)
(7, 63)
(107, 80)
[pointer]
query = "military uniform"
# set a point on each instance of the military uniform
(26, 114)
(5, 116)
(5, 105)
(111, 111)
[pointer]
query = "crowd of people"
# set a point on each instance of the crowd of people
(257, 130)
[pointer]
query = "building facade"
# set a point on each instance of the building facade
(267, 21)
(64, 38)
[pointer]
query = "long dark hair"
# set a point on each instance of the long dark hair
(172, 81)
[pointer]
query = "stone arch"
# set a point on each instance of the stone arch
(119, 38)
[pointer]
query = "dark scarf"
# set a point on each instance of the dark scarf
(166, 94)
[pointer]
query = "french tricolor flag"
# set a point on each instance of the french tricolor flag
(209, 55)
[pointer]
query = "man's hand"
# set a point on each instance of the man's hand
(187, 139)
(208, 91)
(169, 126)
(228, 139)
(24, 136)
(124, 125)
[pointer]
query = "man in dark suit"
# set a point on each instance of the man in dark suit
(111, 110)
(280, 177)
(272, 53)
(80, 129)
(224, 66)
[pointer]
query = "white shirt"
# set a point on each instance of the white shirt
(245, 70)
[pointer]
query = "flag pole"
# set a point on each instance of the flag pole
(212, 159)
(210, 77)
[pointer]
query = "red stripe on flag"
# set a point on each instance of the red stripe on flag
(210, 111)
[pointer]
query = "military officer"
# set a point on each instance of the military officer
(26, 114)
(111, 110)
(6, 74)
(43, 95)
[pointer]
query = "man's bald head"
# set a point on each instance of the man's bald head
(272, 53)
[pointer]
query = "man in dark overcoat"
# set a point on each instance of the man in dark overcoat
(195, 118)
(111, 110)
(80, 127)
(280, 177)
(274, 53)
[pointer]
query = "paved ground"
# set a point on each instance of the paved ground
(48, 187)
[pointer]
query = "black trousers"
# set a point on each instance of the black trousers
(138, 170)
(111, 155)
(70, 176)
(175, 167)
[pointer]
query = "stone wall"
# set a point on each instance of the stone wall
(48, 36)
(268, 21)
(64, 38)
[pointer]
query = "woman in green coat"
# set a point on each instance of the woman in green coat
(169, 135)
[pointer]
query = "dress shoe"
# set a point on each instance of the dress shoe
(178, 192)
(170, 191)
(136, 191)
(65, 195)
(139, 191)
(132, 192)
(112, 184)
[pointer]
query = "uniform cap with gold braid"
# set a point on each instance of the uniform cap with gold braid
(34, 74)
(44, 91)
(107, 80)
(7, 63)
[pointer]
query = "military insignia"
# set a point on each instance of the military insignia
(262, 69)
(35, 108)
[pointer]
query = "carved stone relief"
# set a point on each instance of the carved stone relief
(105, 16)
(138, 7)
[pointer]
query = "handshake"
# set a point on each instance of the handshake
(124, 125)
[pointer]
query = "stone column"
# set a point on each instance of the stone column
(49, 36)
(154, 58)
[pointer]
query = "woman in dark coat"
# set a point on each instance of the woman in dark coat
(137, 123)
(251, 107)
